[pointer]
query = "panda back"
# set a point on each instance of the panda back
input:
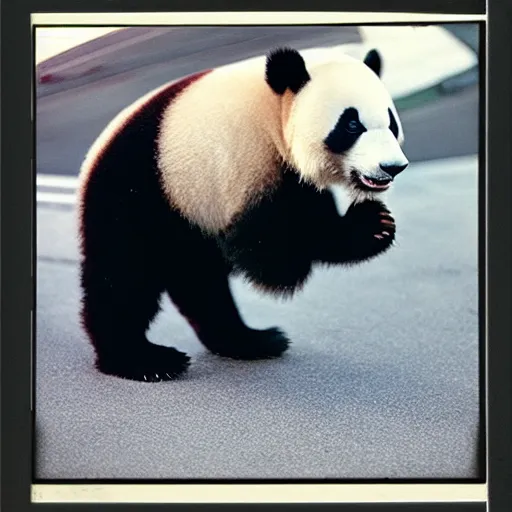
(219, 144)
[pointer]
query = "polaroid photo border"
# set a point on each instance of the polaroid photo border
(476, 495)
(240, 492)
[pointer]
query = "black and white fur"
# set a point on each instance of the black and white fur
(228, 171)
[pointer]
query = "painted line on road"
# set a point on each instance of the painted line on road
(57, 181)
(55, 198)
(67, 183)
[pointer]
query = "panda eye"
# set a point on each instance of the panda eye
(353, 126)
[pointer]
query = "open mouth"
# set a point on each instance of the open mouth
(373, 183)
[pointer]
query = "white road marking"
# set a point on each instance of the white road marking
(57, 181)
(55, 198)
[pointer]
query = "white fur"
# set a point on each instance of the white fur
(334, 87)
(221, 143)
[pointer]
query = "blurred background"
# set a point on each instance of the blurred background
(383, 377)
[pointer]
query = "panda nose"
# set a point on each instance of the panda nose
(393, 169)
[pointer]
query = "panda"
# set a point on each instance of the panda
(228, 172)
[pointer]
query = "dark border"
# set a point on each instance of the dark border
(483, 308)
(15, 204)
(499, 354)
(423, 6)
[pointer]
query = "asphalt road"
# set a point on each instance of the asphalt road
(382, 377)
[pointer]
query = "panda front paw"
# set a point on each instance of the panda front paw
(372, 229)
(249, 344)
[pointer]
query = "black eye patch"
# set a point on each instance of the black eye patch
(392, 124)
(346, 132)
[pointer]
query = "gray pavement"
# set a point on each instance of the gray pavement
(382, 376)
(381, 380)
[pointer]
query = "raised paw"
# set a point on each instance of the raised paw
(387, 226)
(250, 344)
(372, 227)
(145, 362)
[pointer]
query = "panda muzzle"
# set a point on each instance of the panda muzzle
(383, 178)
(378, 181)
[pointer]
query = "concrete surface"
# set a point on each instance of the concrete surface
(416, 58)
(381, 380)
(58, 45)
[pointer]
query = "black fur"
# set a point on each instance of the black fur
(277, 241)
(135, 247)
(392, 170)
(285, 69)
(346, 132)
(374, 62)
(366, 230)
(393, 126)
(269, 242)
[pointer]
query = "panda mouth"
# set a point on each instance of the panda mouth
(373, 184)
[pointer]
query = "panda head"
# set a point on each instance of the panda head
(340, 124)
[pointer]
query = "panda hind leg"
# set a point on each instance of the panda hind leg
(119, 303)
(200, 290)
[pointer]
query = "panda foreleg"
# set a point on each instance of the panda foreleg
(199, 287)
(364, 232)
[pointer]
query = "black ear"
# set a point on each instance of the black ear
(374, 61)
(286, 69)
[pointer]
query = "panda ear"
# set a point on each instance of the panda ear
(286, 69)
(374, 61)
